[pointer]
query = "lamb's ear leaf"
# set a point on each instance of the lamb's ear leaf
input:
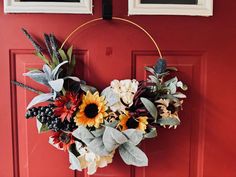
(83, 134)
(132, 155)
(37, 76)
(39, 99)
(112, 138)
(97, 147)
(87, 88)
(150, 107)
(57, 85)
(134, 136)
(55, 70)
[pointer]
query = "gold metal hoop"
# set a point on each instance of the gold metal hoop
(114, 18)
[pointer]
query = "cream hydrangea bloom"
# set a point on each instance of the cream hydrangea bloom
(91, 161)
(120, 94)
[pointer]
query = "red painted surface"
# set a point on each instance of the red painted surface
(202, 48)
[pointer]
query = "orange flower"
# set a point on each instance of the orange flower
(128, 122)
(66, 105)
(92, 111)
(63, 140)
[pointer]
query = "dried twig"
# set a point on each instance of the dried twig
(26, 87)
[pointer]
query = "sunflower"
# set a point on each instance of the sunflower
(92, 111)
(62, 139)
(128, 122)
(66, 105)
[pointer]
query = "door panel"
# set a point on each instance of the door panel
(203, 49)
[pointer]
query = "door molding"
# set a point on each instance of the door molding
(15, 6)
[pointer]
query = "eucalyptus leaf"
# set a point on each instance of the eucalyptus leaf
(150, 107)
(135, 136)
(57, 85)
(168, 121)
(112, 138)
(132, 155)
(39, 99)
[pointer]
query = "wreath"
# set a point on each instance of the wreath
(91, 126)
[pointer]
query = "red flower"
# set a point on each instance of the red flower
(64, 140)
(66, 105)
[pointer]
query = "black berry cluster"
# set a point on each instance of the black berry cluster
(46, 116)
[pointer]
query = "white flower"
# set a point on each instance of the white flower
(90, 160)
(120, 94)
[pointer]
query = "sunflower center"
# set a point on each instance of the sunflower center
(64, 138)
(171, 108)
(132, 123)
(91, 110)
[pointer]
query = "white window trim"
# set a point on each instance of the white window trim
(82, 7)
(203, 8)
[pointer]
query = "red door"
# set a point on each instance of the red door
(202, 48)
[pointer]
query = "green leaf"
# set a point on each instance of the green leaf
(71, 65)
(150, 107)
(69, 53)
(55, 61)
(132, 155)
(43, 58)
(62, 54)
(41, 127)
